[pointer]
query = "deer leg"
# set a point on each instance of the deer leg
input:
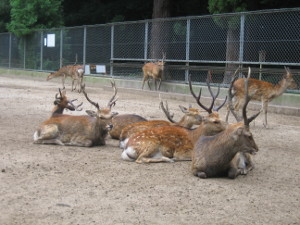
(153, 160)
(227, 114)
(73, 85)
(63, 81)
(265, 109)
(143, 82)
(159, 83)
(155, 84)
(149, 84)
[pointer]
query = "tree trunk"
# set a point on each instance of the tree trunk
(161, 9)
(232, 53)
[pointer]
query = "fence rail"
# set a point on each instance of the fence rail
(266, 40)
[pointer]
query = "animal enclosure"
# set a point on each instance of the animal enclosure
(51, 184)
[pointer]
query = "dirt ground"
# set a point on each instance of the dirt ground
(50, 184)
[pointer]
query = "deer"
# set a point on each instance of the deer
(76, 72)
(119, 122)
(85, 130)
(261, 91)
(191, 117)
(61, 102)
(173, 143)
(154, 71)
(220, 154)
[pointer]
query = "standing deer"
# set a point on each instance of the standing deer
(261, 91)
(217, 155)
(76, 72)
(86, 131)
(172, 143)
(154, 71)
(191, 117)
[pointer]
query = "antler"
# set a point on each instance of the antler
(247, 121)
(113, 99)
(166, 110)
(77, 106)
(214, 97)
(87, 98)
(59, 98)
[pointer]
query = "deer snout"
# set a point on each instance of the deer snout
(109, 126)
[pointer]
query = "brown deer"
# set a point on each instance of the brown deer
(172, 143)
(217, 155)
(76, 72)
(86, 131)
(192, 116)
(119, 122)
(261, 91)
(154, 71)
(61, 102)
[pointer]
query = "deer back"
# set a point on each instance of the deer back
(119, 122)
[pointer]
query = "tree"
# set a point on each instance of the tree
(231, 24)
(29, 15)
(4, 15)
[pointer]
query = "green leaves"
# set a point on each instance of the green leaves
(29, 15)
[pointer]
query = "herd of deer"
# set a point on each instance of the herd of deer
(214, 147)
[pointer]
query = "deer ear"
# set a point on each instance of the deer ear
(91, 113)
(183, 109)
(238, 133)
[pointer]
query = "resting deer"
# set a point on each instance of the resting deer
(154, 71)
(261, 91)
(214, 155)
(61, 102)
(172, 143)
(119, 122)
(76, 72)
(192, 116)
(86, 131)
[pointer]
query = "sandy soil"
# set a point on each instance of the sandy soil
(50, 184)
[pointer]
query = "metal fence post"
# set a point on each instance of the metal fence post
(41, 51)
(61, 49)
(187, 48)
(84, 45)
(146, 41)
(112, 50)
(9, 51)
(24, 49)
(242, 39)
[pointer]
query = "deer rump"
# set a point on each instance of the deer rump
(84, 131)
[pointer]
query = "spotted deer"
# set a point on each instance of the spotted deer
(86, 130)
(219, 155)
(173, 143)
(191, 117)
(154, 71)
(261, 91)
(76, 73)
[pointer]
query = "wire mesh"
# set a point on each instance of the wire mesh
(265, 40)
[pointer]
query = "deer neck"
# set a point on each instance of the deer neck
(185, 122)
(280, 87)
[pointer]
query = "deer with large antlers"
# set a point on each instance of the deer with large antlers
(76, 73)
(191, 117)
(154, 71)
(86, 131)
(261, 91)
(214, 155)
(173, 143)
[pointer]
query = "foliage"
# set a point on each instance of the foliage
(29, 15)
(4, 15)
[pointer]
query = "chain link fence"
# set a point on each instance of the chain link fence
(265, 40)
